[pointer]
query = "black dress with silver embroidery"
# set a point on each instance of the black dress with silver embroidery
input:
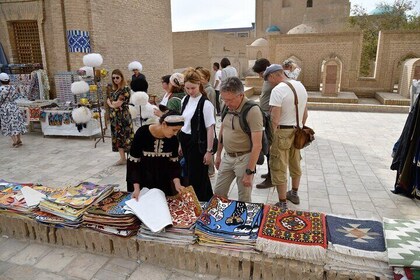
(153, 162)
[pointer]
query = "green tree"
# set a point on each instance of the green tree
(396, 16)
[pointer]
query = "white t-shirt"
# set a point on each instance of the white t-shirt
(229, 71)
(217, 77)
(165, 99)
(208, 113)
(282, 96)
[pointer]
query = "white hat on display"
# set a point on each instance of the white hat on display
(4, 77)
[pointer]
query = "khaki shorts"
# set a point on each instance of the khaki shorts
(282, 155)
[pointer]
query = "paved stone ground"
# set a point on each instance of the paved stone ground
(33, 261)
(345, 171)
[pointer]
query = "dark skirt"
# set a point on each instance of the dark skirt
(197, 172)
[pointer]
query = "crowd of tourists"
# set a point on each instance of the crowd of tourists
(183, 148)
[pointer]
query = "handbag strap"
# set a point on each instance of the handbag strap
(296, 101)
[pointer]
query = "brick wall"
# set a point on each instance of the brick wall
(141, 31)
(325, 15)
(120, 32)
(203, 48)
(312, 49)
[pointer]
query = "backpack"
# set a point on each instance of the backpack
(267, 132)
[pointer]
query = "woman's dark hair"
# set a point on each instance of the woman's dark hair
(225, 62)
(260, 65)
(165, 79)
(169, 113)
(217, 65)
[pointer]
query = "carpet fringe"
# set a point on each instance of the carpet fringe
(379, 256)
(292, 251)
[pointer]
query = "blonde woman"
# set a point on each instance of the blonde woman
(197, 135)
(121, 123)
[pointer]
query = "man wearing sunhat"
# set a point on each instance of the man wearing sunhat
(283, 154)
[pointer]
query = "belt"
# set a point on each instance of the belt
(238, 154)
(286, 126)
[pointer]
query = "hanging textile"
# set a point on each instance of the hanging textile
(78, 41)
(406, 156)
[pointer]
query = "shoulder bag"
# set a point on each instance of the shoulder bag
(305, 135)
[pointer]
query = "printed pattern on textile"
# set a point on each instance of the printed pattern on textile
(296, 227)
(78, 41)
(112, 205)
(402, 239)
(231, 217)
(184, 208)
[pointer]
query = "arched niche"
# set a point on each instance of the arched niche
(410, 72)
(331, 76)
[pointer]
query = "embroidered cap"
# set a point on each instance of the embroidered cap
(174, 120)
(4, 77)
(177, 79)
(271, 69)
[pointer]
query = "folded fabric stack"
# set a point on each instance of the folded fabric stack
(13, 200)
(72, 202)
(293, 234)
(229, 224)
(356, 245)
(402, 238)
(184, 209)
(109, 216)
(54, 221)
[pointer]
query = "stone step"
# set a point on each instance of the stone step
(390, 98)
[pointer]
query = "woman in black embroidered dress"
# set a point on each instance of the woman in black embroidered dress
(153, 158)
(121, 123)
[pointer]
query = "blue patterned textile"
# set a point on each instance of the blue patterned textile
(78, 41)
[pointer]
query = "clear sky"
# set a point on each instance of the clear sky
(213, 14)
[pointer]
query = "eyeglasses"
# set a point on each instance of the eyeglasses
(116, 78)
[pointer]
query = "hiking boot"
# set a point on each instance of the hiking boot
(292, 197)
(282, 206)
(265, 176)
(265, 184)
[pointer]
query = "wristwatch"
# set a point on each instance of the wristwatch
(249, 171)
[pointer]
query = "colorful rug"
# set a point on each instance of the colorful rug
(184, 208)
(293, 234)
(80, 196)
(230, 217)
(406, 273)
(402, 239)
(358, 238)
(112, 205)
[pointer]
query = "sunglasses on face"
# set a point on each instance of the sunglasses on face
(116, 78)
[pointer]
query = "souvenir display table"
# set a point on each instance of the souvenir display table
(58, 123)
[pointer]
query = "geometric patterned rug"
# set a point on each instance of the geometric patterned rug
(356, 237)
(402, 239)
(293, 234)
